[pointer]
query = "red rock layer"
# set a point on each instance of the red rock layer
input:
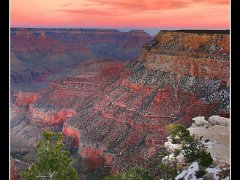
(50, 118)
(96, 158)
(13, 172)
(25, 98)
(72, 133)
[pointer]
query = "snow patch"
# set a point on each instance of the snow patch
(189, 173)
(208, 144)
(213, 171)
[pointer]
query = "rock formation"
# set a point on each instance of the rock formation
(118, 118)
(216, 135)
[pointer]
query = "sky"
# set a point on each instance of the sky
(150, 15)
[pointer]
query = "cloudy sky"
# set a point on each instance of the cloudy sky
(139, 14)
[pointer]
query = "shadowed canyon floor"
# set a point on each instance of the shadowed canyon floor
(116, 119)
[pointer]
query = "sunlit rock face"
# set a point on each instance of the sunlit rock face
(189, 53)
(25, 98)
(118, 118)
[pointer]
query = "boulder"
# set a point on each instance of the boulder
(200, 121)
(172, 147)
(218, 120)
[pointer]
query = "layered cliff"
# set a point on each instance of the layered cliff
(120, 115)
(189, 53)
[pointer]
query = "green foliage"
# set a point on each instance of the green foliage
(136, 173)
(52, 161)
(205, 158)
(200, 173)
(178, 132)
(168, 167)
(176, 152)
(169, 170)
(192, 148)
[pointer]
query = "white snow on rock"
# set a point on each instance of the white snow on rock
(169, 158)
(208, 144)
(216, 137)
(213, 171)
(189, 173)
(218, 120)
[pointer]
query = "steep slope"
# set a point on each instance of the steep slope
(126, 119)
(117, 121)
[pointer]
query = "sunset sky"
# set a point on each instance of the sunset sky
(138, 14)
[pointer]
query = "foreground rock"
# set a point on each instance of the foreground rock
(220, 172)
(217, 137)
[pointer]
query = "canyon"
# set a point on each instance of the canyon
(39, 55)
(115, 119)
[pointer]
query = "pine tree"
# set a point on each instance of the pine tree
(52, 162)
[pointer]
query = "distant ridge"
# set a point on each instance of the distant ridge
(64, 29)
(200, 31)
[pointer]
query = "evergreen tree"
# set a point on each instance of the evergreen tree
(52, 162)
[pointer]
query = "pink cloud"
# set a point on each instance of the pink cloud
(67, 4)
(145, 5)
(213, 1)
(93, 12)
(121, 13)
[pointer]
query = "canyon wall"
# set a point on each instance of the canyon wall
(120, 115)
(127, 118)
(187, 53)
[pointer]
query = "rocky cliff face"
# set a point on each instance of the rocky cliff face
(189, 53)
(120, 116)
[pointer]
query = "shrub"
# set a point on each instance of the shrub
(192, 148)
(205, 158)
(136, 173)
(169, 170)
(168, 166)
(178, 132)
(200, 173)
(176, 152)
